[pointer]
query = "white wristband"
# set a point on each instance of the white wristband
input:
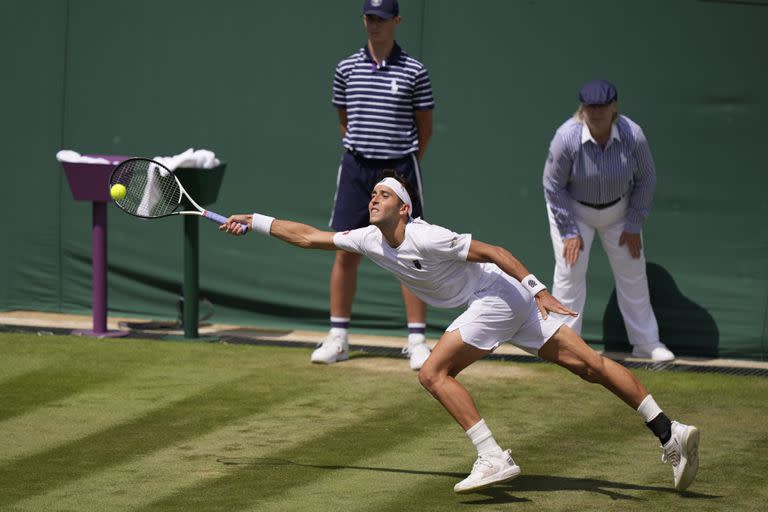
(532, 284)
(262, 223)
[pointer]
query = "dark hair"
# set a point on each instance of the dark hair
(390, 173)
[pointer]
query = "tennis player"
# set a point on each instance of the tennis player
(505, 303)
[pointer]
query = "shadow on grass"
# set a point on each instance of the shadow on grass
(258, 463)
(502, 493)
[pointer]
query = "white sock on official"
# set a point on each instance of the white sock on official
(482, 438)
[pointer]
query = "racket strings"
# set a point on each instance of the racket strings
(151, 190)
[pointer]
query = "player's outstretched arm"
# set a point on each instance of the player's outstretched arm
(294, 233)
(481, 252)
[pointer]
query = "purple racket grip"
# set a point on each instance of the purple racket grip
(220, 219)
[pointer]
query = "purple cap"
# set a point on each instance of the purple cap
(386, 9)
(598, 92)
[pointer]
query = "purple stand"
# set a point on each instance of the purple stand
(90, 182)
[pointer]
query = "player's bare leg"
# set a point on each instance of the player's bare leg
(343, 285)
(567, 349)
(438, 375)
(416, 315)
(680, 443)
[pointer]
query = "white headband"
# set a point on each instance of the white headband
(400, 191)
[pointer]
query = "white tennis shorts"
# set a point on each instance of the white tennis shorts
(505, 312)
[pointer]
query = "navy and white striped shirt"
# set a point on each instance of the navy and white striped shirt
(578, 168)
(380, 101)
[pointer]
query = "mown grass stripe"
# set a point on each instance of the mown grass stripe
(103, 407)
(185, 419)
(249, 484)
(16, 364)
(158, 475)
(424, 463)
(39, 387)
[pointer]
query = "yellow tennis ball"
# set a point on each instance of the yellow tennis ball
(117, 191)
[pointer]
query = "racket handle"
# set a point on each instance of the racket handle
(220, 219)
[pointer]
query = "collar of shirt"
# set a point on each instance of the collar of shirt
(393, 56)
(586, 135)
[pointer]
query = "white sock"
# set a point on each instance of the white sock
(481, 437)
(339, 326)
(648, 409)
(416, 331)
(338, 331)
(415, 338)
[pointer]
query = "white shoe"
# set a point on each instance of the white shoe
(682, 451)
(657, 353)
(489, 470)
(418, 352)
(332, 350)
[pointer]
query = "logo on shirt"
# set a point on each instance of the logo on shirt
(454, 242)
(345, 232)
(394, 87)
(417, 264)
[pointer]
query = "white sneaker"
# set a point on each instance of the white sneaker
(682, 451)
(417, 352)
(657, 353)
(332, 350)
(489, 470)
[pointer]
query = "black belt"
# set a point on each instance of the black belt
(358, 154)
(599, 206)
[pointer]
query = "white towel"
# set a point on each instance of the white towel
(151, 194)
(69, 156)
(198, 159)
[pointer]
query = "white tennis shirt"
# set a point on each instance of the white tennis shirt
(431, 261)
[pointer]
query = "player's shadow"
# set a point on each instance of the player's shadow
(684, 326)
(509, 492)
(502, 493)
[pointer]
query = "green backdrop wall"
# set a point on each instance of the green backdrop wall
(252, 82)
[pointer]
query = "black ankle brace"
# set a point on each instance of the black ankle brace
(662, 427)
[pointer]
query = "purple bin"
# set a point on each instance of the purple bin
(90, 182)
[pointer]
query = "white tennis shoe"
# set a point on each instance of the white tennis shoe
(417, 351)
(682, 451)
(489, 470)
(332, 350)
(657, 353)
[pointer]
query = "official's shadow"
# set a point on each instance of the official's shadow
(685, 327)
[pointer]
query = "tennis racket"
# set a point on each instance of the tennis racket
(153, 191)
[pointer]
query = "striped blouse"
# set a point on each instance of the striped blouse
(578, 169)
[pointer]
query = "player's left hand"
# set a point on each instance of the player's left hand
(234, 224)
(633, 241)
(547, 303)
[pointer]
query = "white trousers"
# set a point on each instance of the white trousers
(570, 283)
